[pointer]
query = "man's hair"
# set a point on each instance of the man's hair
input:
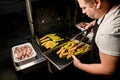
(91, 1)
(111, 1)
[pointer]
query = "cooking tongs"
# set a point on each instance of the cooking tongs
(83, 31)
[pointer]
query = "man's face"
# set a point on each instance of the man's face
(87, 8)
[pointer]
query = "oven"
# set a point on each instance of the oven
(49, 18)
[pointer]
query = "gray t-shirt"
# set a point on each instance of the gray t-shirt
(108, 35)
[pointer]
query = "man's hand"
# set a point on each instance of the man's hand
(76, 61)
(87, 26)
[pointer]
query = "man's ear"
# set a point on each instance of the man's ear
(98, 3)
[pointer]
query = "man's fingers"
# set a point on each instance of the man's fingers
(73, 56)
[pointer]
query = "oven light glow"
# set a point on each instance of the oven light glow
(43, 21)
(58, 18)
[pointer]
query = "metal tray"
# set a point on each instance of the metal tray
(59, 63)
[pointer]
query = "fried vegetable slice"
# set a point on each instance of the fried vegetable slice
(49, 41)
(72, 48)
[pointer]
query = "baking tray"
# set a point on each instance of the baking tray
(59, 63)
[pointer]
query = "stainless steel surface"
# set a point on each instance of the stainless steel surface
(29, 14)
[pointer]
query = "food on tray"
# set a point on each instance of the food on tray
(23, 52)
(72, 47)
(50, 40)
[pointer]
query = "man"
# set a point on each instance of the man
(106, 39)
